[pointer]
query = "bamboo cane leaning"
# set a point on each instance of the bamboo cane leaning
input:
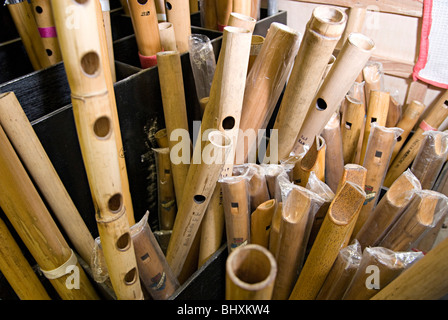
(90, 82)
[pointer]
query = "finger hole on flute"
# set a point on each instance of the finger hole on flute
(115, 203)
(228, 123)
(321, 104)
(102, 127)
(130, 277)
(90, 63)
(142, 2)
(199, 198)
(124, 242)
(81, 1)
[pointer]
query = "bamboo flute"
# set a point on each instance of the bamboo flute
(242, 6)
(344, 208)
(241, 20)
(178, 13)
(200, 184)
(175, 114)
(394, 113)
(423, 213)
(352, 124)
(424, 280)
(16, 269)
(26, 26)
(388, 265)
(297, 210)
(410, 117)
(377, 109)
(223, 10)
(373, 76)
(209, 19)
(389, 208)
(430, 158)
(235, 201)
(96, 122)
(105, 9)
(378, 152)
(355, 22)
(250, 274)
(264, 85)
(167, 36)
(275, 228)
(161, 10)
(260, 223)
(352, 58)
(45, 23)
(146, 29)
(223, 112)
(34, 157)
(36, 228)
(323, 31)
(434, 118)
(334, 161)
(258, 188)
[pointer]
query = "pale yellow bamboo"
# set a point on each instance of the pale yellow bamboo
(352, 124)
(241, 20)
(260, 223)
(334, 161)
(275, 228)
(167, 36)
(223, 10)
(355, 22)
(242, 6)
(178, 13)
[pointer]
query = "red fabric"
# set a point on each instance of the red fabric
(147, 62)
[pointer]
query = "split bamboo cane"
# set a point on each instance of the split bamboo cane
(32, 221)
(201, 181)
(146, 29)
(377, 109)
(378, 152)
(407, 123)
(264, 85)
(388, 210)
(345, 207)
(16, 269)
(321, 35)
(250, 273)
(425, 280)
(334, 161)
(260, 223)
(175, 112)
(352, 124)
(434, 118)
(352, 58)
(167, 36)
(97, 126)
(28, 146)
(178, 13)
(26, 26)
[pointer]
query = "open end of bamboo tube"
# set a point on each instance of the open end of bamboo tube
(251, 267)
(372, 72)
(361, 41)
(241, 17)
(267, 205)
(426, 211)
(165, 25)
(328, 20)
(397, 194)
(342, 212)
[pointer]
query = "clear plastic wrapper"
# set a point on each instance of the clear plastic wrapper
(98, 263)
(341, 273)
(378, 267)
(374, 77)
(430, 158)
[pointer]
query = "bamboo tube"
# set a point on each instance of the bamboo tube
(430, 158)
(175, 112)
(35, 226)
(161, 10)
(96, 123)
(209, 18)
(323, 31)
(260, 223)
(255, 48)
(387, 264)
(167, 207)
(105, 9)
(155, 272)
(341, 273)
(28, 146)
(423, 213)
(235, 195)
(201, 181)
(45, 23)
(378, 152)
(17, 270)
(242, 6)
(275, 229)
(146, 29)
(334, 161)
(241, 20)
(264, 84)
(357, 48)
(178, 13)
(344, 208)
(409, 119)
(26, 26)
(327, 69)
(355, 22)
(167, 36)
(388, 210)
(255, 9)
(223, 10)
(424, 280)
(373, 76)
(161, 137)
(352, 124)
(297, 209)
(434, 118)
(250, 273)
(376, 112)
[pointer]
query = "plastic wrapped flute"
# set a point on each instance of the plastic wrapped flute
(32, 221)
(260, 223)
(322, 33)
(90, 83)
(250, 273)
(349, 63)
(373, 76)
